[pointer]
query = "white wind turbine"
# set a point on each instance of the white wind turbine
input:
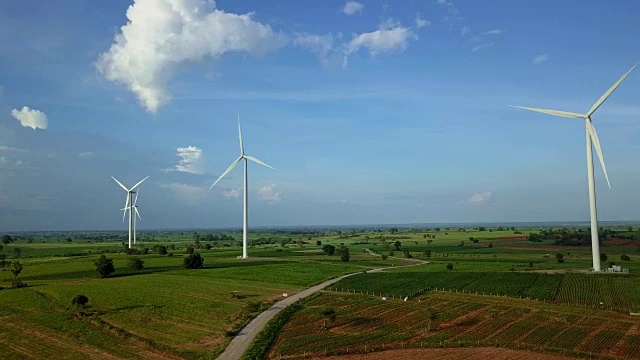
(128, 201)
(135, 208)
(592, 137)
(246, 159)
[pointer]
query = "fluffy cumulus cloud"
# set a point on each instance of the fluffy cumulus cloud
(480, 198)
(162, 36)
(269, 193)
(539, 59)
(32, 118)
(390, 37)
(191, 160)
(233, 193)
(352, 7)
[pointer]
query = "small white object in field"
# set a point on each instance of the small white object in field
(285, 294)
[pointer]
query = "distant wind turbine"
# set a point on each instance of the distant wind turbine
(592, 138)
(135, 208)
(128, 201)
(246, 158)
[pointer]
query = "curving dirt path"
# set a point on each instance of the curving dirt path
(241, 342)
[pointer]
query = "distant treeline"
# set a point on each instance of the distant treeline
(576, 237)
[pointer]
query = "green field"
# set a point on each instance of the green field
(166, 311)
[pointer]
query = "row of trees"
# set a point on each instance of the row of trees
(341, 250)
(105, 268)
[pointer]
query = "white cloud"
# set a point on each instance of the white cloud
(420, 22)
(465, 30)
(493, 32)
(480, 198)
(539, 59)
(269, 193)
(233, 193)
(86, 154)
(31, 118)
(162, 36)
(321, 45)
(3, 160)
(482, 46)
(191, 160)
(352, 7)
(19, 162)
(390, 37)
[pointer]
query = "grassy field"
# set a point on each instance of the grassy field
(165, 311)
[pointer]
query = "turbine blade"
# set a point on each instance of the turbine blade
(135, 201)
(126, 206)
(553, 112)
(138, 213)
(610, 91)
(119, 183)
(258, 161)
(139, 182)
(596, 143)
(240, 135)
(227, 171)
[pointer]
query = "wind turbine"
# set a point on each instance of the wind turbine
(135, 207)
(592, 138)
(246, 159)
(128, 201)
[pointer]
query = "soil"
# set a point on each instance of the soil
(450, 354)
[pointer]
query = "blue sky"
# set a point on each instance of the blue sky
(372, 111)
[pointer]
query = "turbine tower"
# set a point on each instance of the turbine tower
(592, 141)
(135, 207)
(246, 159)
(128, 201)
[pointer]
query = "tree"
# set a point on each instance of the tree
(329, 249)
(429, 241)
(207, 247)
(80, 300)
(328, 314)
(603, 257)
(427, 253)
(162, 250)
(344, 255)
(135, 263)
(625, 257)
(318, 242)
(424, 236)
(560, 257)
(490, 245)
(449, 266)
(407, 254)
(16, 269)
(471, 238)
(6, 239)
(189, 250)
(397, 244)
(193, 261)
(432, 315)
(104, 266)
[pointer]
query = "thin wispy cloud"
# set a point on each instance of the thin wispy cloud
(539, 59)
(453, 17)
(481, 46)
(493, 32)
(420, 22)
(390, 37)
(32, 118)
(352, 7)
(232, 193)
(85, 154)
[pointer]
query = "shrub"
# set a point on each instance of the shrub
(329, 249)
(170, 254)
(135, 263)
(449, 266)
(490, 245)
(207, 247)
(17, 283)
(162, 250)
(603, 257)
(80, 300)
(625, 257)
(384, 257)
(193, 261)
(427, 253)
(318, 242)
(104, 266)
(189, 249)
(344, 255)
